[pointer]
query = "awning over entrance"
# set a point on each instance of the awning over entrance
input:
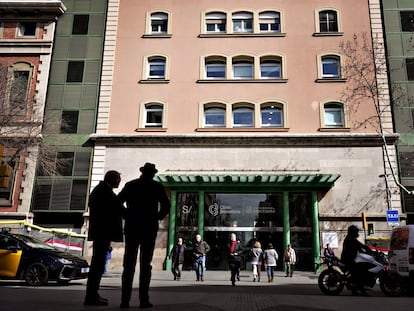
(281, 180)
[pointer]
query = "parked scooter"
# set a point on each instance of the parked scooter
(335, 277)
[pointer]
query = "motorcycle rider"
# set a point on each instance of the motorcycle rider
(351, 247)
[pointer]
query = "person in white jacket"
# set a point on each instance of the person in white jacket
(270, 261)
(290, 260)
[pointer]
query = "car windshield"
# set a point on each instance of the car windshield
(32, 242)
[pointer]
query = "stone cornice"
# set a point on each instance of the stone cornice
(306, 140)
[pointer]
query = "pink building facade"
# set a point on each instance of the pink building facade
(241, 105)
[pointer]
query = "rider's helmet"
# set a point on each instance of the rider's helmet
(353, 230)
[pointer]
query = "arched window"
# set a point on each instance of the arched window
(270, 68)
(215, 22)
(154, 114)
(243, 116)
(214, 116)
(243, 68)
(271, 115)
(269, 21)
(159, 23)
(331, 66)
(328, 21)
(156, 67)
(215, 67)
(242, 22)
(333, 113)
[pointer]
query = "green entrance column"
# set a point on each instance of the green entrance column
(171, 228)
(286, 223)
(201, 214)
(315, 228)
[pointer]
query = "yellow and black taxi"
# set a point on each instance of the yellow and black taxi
(25, 258)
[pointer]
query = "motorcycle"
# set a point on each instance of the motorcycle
(336, 276)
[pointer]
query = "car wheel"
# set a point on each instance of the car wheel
(36, 274)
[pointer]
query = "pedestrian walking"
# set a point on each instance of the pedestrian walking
(290, 260)
(270, 261)
(200, 250)
(105, 225)
(256, 257)
(177, 258)
(147, 204)
(234, 258)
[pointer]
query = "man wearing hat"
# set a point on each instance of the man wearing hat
(143, 197)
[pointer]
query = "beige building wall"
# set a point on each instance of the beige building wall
(301, 146)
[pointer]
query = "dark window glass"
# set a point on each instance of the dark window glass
(18, 91)
(69, 123)
(78, 197)
(407, 164)
(407, 20)
(328, 21)
(80, 24)
(42, 197)
(75, 71)
(28, 29)
(243, 209)
(409, 64)
(187, 209)
(64, 163)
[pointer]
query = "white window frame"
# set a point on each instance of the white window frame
(239, 108)
(337, 108)
(327, 23)
(278, 109)
(330, 59)
(159, 18)
(216, 19)
(212, 107)
(269, 18)
(156, 61)
(153, 107)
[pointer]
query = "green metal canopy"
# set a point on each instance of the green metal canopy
(278, 180)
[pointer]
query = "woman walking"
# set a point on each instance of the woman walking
(256, 255)
(270, 261)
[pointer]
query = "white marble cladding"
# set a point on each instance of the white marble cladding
(360, 187)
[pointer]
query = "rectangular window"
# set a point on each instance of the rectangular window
(69, 122)
(409, 66)
(215, 117)
(243, 117)
(64, 163)
(187, 210)
(18, 91)
(75, 71)
(27, 29)
(154, 115)
(270, 70)
(330, 68)
(80, 24)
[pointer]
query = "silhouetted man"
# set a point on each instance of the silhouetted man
(147, 203)
(105, 225)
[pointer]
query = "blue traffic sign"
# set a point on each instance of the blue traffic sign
(392, 217)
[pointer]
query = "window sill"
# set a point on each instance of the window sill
(151, 129)
(242, 81)
(157, 36)
(330, 80)
(245, 129)
(328, 34)
(334, 129)
(241, 34)
(154, 81)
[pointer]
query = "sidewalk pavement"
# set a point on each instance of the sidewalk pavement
(298, 293)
